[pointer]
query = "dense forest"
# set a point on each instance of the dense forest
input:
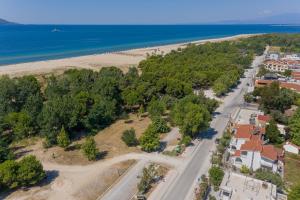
(85, 101)
(217, 65)
(289, 43)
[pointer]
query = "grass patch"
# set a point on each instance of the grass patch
(108, 142)
(292, 166)
(275, 49)
(25, 142)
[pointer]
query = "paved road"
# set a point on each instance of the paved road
(126, 188)
(182, 187)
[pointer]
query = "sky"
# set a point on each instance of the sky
(140, 11)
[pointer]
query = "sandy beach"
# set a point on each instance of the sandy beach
(122, 59)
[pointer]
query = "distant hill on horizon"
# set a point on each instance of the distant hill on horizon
(5, 22)
(287, 18)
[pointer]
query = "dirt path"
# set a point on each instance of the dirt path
(153, 157)
(76, 182)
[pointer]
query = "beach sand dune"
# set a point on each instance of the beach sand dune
(122, 60)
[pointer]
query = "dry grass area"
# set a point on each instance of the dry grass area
(274, 49)
(109, 139)
(292, 166)
(98, 187)
(75, 185)
(108, 142)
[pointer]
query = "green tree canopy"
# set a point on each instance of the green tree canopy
(156, 108)
(63, 139)
(294, 126)
(216, 175)
(21, 124)
(26, 172)
(160, 125)
(272, 133)
(150, 140)
(9, 174)
(30, 171)
(89, 148)
(190, 116)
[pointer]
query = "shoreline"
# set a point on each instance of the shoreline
(121, 59)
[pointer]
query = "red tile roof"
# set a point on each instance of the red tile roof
(256, 137)
(296, 75)
(252, 145)
(247, 131)
(266, 151)
(270, 152)
(291, 86)
(244, 131)
(265, 118)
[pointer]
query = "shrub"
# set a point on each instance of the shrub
(150, 140)
(216, 159)
(30, 171)
(245, 169)
(266, 175)
(272, 133)
(160, 125)
(26, 172)
(89, 148)
(63, 139)
(216, 175)
(147, 179)
(5, 152)
(203, 188)
(248, 98)
(129, 138)
(9, 174)
(186, 140)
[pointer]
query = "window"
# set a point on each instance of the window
(238, 160)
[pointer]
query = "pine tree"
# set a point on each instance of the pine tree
(63, 139)
(89, 148)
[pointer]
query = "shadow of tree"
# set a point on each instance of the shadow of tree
(208, 134)
(102, 155)
(22, 153)
(162, 146)
(51, 175)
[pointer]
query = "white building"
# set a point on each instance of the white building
(247, 149)
(254, 155)
(294, 57)
(239, 187)
(276, 66)
(242, 134)
(273, 56)
(291, 148)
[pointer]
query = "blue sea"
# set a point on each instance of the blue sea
(26, 43)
